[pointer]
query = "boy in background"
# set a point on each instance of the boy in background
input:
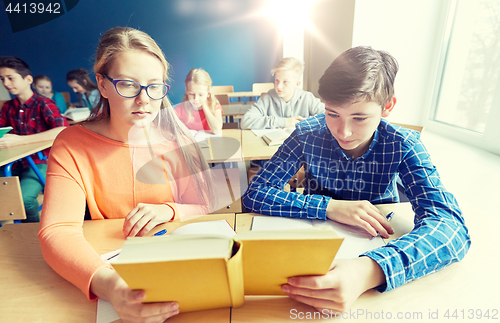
(286, 104)
(34, 119)
(351, 157)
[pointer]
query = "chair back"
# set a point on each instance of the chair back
(12, 206)
(223, 98)
(2, 102)
(409, 126)
(67, 98)
(262, 87)
(217, 89)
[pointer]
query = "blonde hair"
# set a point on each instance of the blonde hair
(201, 77)
(289, 64)
(122, 39)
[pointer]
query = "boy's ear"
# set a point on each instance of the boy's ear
(299, 83)
(388, 107)
(100, 84)
(29, 79)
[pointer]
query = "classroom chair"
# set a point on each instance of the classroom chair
(223, 98)
(67, 98)
(12, 206)
(221, 89)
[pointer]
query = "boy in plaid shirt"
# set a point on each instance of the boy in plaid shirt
(34, 119)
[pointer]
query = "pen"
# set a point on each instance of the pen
(389, 218)
(160, 233)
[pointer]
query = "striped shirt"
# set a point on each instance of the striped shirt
(439, 237)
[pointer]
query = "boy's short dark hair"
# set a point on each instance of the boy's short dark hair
(17, 64)
(359, 74)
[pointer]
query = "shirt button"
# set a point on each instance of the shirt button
(21, 111)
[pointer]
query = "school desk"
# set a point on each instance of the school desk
(231, 111)
(9, 155)
(30, 291)
(462, 292)
(225, 147)
(255, 148)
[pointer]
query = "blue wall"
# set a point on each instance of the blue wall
(228, 38)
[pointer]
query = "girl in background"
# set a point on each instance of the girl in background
(43, 86)
(200, 109)
(104, 163)
(85, 89)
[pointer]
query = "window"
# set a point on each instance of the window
(468, 93)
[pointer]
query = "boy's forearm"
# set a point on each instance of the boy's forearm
(42, 136)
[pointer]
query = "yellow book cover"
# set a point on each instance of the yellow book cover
(197, 271)
(270, 257)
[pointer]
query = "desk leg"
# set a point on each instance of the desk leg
(35, 169)
(8, 169)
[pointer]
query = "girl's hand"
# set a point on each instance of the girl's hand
(339, 288)
(145, 217)
(359, 213)
(108, 285)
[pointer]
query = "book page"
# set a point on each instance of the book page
(219, 227)
(105, 312)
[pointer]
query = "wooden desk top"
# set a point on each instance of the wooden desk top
(30, 291)
(12, 154)
(255, 148)
(226, 148)
(469, 285)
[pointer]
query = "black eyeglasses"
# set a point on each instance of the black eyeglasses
(131, 89)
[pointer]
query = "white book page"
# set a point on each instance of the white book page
(219, 227)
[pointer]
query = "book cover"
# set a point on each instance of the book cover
(4, 130)
(198, 271)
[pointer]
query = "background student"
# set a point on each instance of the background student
(286, 104)
(351, 157)
(86, 90)
(43, 86)
(132, 160)
(200, 109)
(34, 119)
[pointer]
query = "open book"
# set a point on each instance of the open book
(77, 114)
(4, 130)
(277, 137)
(207, 266)
(200, 137)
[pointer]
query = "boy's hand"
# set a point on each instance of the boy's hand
(292, 121)
(107, 284)
(145, 217)
(339, 288)
(10, 140)
(359, 213)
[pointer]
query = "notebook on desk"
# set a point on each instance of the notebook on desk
(4, 130)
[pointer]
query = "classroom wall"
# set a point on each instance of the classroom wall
(328, 35)
(231, 39)
(412, 32)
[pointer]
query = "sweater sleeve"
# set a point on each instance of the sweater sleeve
(258, 116)
(63, 244)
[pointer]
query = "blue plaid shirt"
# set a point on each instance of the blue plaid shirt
(439, 237)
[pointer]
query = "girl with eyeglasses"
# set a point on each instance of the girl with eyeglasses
(200, 109)
(132, 159)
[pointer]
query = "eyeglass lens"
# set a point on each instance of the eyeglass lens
(131, 89)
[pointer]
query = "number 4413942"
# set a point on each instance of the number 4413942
(34, 8)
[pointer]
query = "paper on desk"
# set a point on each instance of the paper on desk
(105, 312)
(356, 240)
